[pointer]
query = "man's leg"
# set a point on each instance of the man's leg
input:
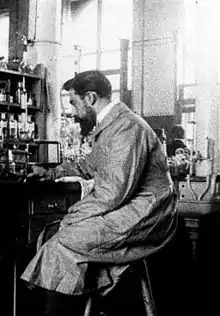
(58, 304)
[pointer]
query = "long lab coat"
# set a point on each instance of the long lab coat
(130, 213)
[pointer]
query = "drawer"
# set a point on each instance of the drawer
(38, 222)
(49, 204)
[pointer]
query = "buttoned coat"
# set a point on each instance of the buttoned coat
(130, 213)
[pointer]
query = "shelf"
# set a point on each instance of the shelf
(33, 108)
(17, 162)
(17, 106)
(32, 81)
(20, 142)
(20, 74)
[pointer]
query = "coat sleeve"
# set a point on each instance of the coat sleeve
(118, 169)
(83, 169)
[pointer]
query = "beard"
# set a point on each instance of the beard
(88, 122)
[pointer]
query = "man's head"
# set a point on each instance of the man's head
(178, 132)
(89, 92)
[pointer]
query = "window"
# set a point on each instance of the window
(91, 34)
(116, 23)
(97, 36)
(4, 35)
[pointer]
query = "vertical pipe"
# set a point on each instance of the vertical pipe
(99, 33)
(123, 69)
(142, 54)
(177, 104)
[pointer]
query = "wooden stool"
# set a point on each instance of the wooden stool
(131, 295)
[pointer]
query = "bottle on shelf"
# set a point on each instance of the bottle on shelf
(18, 93)
(20, 126)
(23, 98)
(11, 161)
(8, 91)
(13, 126)
(1, 131)
(30, 99)
(2, 95)
(4, 126)
(30, 127)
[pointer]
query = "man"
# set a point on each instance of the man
(178, 140)
(131, 211)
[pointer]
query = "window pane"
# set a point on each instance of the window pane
(84, 31)
(68, 67)
(115, 81)
(4, 36)
(110, 60)
(116, 22)
(80, 26)
(88, 62)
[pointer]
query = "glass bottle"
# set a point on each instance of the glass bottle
(13, 126)
(20, 126)
(18, 93)
(30, 127)
(4, 125)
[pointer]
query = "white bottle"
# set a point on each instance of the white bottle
(11, 161)
(23, 99)
(2, 96)
(13, 126)
(4, 126)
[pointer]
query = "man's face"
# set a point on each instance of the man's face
(83, 111)
(79, 105)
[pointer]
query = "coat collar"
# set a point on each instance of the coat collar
(115, 111)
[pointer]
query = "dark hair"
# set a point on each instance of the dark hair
(90, 80)
(178, 131)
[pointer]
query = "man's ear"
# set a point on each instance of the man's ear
(92, 96)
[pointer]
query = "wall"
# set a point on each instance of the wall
(207, 77)
(156, 25)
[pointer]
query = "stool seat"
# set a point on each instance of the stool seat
(131, 295)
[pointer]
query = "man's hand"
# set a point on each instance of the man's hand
(38, 173)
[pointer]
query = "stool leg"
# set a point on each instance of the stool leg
(88, 307)
(147, 293)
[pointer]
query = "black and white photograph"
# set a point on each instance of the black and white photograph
(109, 157)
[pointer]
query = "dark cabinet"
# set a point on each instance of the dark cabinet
(49, 202)
(26, 209)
